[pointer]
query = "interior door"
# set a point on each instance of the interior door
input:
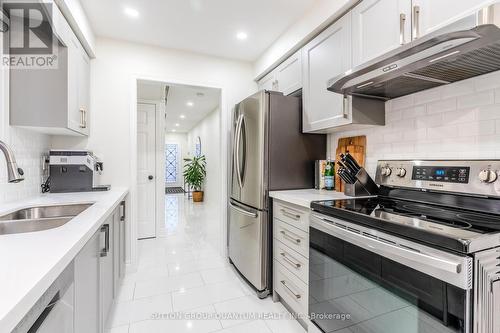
(173, 168)
(372, 36)
(247, 237)
(250, 150)
(146, 196)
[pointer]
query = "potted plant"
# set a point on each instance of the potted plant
(194, 173)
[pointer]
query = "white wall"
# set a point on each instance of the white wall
(113, 91)
(312, 22)
(457, 121)
(208, 129)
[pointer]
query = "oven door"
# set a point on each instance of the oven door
(362, 280)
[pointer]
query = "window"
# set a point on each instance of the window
(171, 162)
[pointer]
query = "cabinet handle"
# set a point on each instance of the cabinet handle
(288, 289)
(345, 107)
(402, 22)
(290, 215)
(122, 213)
(295, 240)
(83, 118)
(105, 251)
(416, 22)
(289, 260)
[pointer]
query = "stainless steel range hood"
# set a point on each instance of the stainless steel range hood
(467, 48)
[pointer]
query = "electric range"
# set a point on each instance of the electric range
(429, 244)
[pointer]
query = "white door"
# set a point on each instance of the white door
(173, 168)
(146, 196)
(325, 57)
(430, 15)
(379, 26)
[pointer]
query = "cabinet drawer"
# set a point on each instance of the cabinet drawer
(294, 215)
(295, 262)
(292, 237)
(291, 289)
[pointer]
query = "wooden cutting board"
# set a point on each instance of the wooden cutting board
(356, 146)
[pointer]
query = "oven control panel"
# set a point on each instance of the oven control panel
(441, 174)
(477, 177)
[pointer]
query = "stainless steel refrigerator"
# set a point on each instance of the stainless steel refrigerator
(269, 152)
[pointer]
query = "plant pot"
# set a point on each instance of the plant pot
(197, 196)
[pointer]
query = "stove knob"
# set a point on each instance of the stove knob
(386, 171)
(488, 176)
(401, 172)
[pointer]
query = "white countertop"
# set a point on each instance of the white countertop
(30, 262)
(305, 197)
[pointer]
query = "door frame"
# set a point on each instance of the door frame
(160, 110)
(225, 119)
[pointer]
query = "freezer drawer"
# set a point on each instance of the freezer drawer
(248, 245)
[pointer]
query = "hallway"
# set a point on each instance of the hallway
(183, 284)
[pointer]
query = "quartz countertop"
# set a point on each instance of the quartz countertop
(305, 197)
(30, 262)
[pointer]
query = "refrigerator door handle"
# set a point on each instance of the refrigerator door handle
(237, 150)
(243, 211)
(243, 130)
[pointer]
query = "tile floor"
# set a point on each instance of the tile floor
(183, 284)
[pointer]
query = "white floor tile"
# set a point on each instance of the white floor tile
(218, 275)
(285, 326)
(167, 284)
(125, 292)
(256, 326)
(182, 268)
(205, 295)
(140, 309)
(120, 329)
(198, 321)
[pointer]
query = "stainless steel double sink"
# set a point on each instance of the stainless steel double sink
(39, 218)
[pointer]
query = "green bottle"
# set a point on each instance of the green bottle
(329, 175)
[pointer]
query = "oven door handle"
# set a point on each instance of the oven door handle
(446, 268)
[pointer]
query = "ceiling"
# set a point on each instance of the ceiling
(204, 26)
(204, 101)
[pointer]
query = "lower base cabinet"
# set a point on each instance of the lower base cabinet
(97, 274)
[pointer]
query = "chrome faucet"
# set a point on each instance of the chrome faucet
(15, 173)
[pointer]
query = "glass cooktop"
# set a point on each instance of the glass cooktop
(442, 226)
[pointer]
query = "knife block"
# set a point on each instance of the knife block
(363, 187)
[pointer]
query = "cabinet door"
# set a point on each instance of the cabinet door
(116, 250)
(123, 221)
(325, 57)
(87, 300)
(289, 74)
(84, 89)
(268, 82)
(373, 36)
(431, 15)
(75, 120)
(106, 269)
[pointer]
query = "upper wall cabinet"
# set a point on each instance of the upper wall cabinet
(286, 78)
(54, 100)
(326, 56)
(430, 15)
(379, 26)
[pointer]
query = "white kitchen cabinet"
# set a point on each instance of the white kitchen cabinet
(54, 101)
(286, 78)
(379, 26)
(431, 15)
(326, 56)
(87, 281)
(97, 274)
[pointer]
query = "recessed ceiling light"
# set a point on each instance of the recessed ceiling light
(131, 12)
(189, 103)
(241, 35)
(177, 125)
(182, 116)
(173, 130)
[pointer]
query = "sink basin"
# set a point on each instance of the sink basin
(42, 212)
(39, 218)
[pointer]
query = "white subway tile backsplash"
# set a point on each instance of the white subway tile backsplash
(456, 121)
(477, 99)
(28, 148)
(442, 106)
